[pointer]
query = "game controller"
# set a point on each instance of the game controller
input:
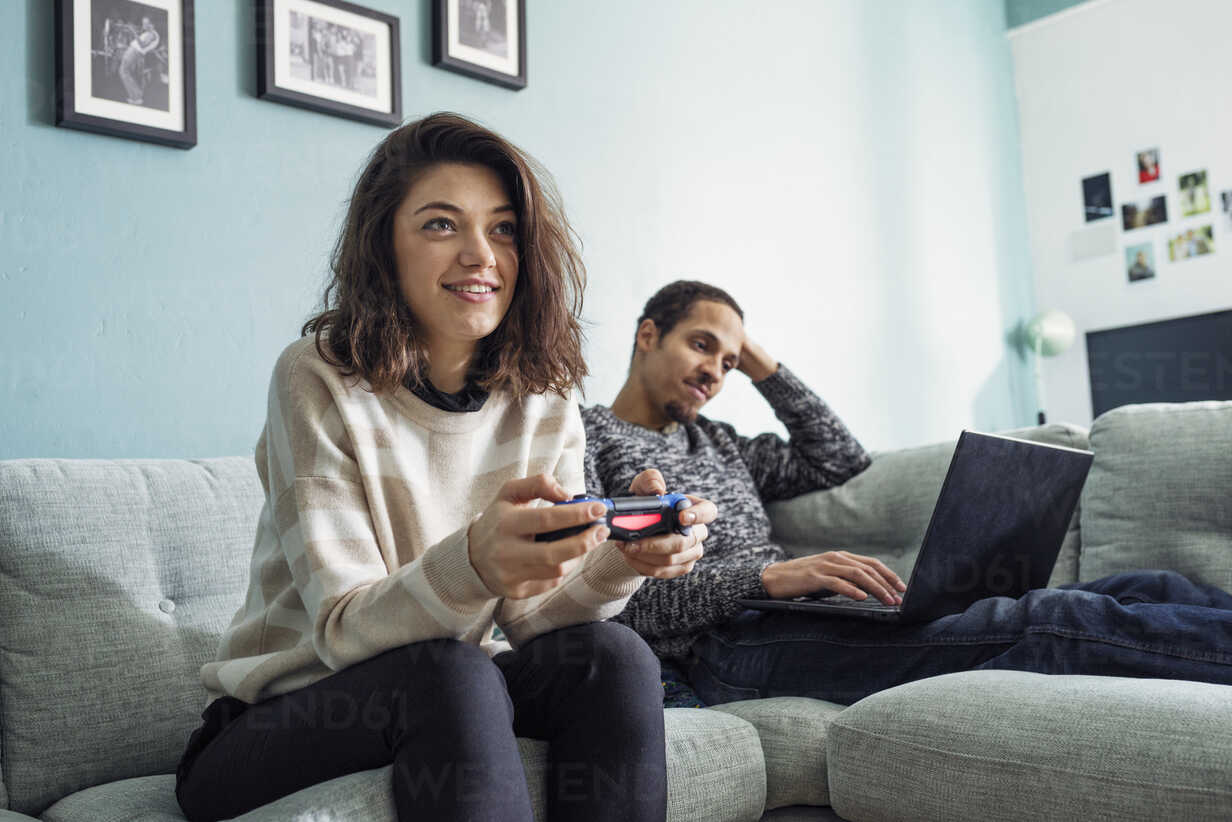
(630, 518)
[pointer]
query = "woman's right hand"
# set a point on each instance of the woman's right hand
(503, 550)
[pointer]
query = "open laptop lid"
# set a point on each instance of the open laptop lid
(997, 528)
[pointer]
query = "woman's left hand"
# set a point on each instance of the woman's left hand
(669, 555)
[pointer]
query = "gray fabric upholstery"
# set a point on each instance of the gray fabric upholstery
(100, 683)
(884, 511)
(714, 772)
(793, 742)
(715, 767)
(14, 816)
(973, 746)
(145, 798)
(801, 813)
(1160, 492)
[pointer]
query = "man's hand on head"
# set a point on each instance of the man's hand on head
(839, 572)
(755, 362)
(669, 555)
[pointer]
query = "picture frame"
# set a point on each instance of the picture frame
(332, 57)
(127, 68)
(484, 39)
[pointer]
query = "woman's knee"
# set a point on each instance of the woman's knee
(610, 649)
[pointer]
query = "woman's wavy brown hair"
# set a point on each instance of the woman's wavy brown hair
(366, 328)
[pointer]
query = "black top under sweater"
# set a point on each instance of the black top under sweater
(740, 475)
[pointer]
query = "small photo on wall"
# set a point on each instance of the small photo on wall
(1195, 199)
(1097, 196)
(484, 39)
(330, 56)
(1145, 213)
(1192, 243)
(1140, 262)
(1148, 165)
(127, 68)
(1225, 200)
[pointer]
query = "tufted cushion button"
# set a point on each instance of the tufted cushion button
(166, 606)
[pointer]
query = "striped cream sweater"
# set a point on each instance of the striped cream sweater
(362, 544)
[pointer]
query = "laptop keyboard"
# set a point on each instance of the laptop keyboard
(846, 601)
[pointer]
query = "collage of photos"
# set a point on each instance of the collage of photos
(1149, 207)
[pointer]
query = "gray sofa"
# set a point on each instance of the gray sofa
(117, 577)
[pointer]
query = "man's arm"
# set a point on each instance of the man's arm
(820, 452)
(704, 597)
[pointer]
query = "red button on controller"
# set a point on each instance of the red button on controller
(636, 522)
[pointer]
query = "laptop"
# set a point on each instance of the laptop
(996, 530)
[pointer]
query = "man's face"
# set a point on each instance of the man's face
(684, 369)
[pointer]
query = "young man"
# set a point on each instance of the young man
(689, 338)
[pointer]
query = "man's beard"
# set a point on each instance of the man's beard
(679, 412)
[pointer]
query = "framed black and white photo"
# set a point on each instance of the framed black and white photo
(485, 39)
(127, 68)
(330, 56)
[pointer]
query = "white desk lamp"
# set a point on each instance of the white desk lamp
(1048, 334)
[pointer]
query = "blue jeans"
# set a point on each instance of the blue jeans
(1141, 624)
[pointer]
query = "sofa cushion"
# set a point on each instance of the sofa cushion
(714, 772)
(1160, 492)
(116, 581)
(793, 742)
(884, 511)
(972, 746)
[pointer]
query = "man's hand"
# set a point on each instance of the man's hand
(669, 555)
(839, 572)
(755, 362)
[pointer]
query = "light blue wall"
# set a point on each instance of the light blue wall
(1021, 12)
(848, 169)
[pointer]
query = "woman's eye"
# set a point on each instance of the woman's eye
(507, 229)
(699, 345)
(439, 224)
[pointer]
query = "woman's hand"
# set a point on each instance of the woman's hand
(840, 572)
(503, 550)
(668, 555)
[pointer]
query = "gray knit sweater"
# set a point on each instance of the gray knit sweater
(740, 475)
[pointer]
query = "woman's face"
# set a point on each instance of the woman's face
(455, 243)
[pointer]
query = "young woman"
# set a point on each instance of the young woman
(411, 437)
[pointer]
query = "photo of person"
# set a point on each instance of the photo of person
(1145, 213)
(1195, 199)
(1148, 165)
(1225, 201)
(332, 54)
(1140, 262)
(1097, 196)
(482, 26)
(128, 46)
(1192, 243)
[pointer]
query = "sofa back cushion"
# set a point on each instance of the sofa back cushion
(1160, 492)
(117, 579)
(884, 511)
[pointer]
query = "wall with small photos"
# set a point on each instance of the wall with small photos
(1127, 165)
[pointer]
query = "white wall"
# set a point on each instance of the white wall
(1096, 84)
(848, 170)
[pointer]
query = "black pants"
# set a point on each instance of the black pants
(447, 716)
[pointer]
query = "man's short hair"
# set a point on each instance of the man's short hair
(675, 300)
